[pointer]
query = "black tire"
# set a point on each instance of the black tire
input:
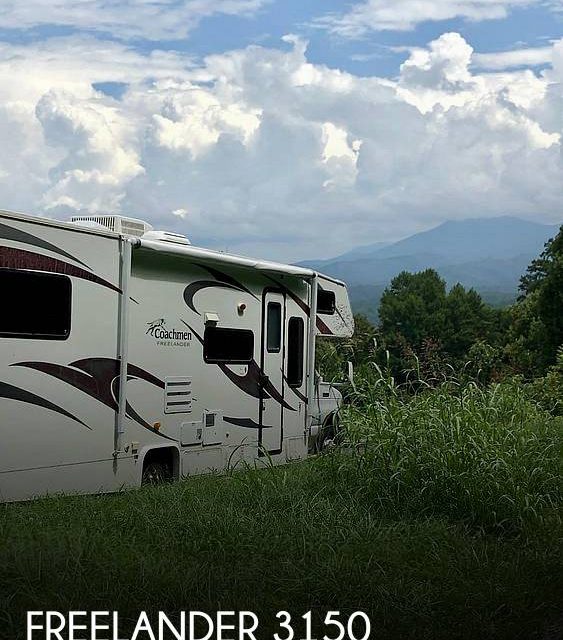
(327, 435)
(156, 473)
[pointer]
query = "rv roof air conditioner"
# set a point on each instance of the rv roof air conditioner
(166, 236)
(119, 224)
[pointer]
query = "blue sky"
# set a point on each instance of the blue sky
(527, 26)
(373, 120)
(533, 25)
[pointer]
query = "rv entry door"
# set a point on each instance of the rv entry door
(272, 382)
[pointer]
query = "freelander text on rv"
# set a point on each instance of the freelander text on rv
(127, 354)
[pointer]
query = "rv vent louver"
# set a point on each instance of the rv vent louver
(119, 224)
(177, 395)
(133, 228)
(167, 236)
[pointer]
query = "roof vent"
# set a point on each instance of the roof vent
(119, 224)
(166, 236)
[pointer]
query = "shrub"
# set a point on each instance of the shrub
(488, 456)
(548, 391)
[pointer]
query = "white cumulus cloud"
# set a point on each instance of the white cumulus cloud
(517, 58)
(162, 20)
(99, 155)
(404, 15)
(261, 151)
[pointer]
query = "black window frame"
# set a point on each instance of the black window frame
(273, 349)
(326, 310)
(295, 352)
(226, 360)
(46, 276)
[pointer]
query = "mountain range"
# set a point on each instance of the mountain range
(487, 254)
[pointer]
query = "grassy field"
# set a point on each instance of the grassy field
(441, 517)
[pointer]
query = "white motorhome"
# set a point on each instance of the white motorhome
(128, 355)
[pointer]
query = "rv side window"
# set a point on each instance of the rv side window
(326, 302)
(228, 345)
(35, 305)
(295, 335)
(273, 337)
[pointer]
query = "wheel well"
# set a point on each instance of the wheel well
(331, 425)
(331, 420)
(168, 456)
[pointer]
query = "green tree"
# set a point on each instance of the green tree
(547, 391)
(413, 308)
(467, 321)
(536, 332)
(419, 317)
(332, 355)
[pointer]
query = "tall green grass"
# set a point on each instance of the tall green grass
(439, 515)
(486, 456)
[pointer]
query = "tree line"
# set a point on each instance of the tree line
(425, 327)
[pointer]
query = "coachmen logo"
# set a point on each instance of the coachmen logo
(166, 337)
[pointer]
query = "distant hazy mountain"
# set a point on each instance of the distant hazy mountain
(465, 240)
(488, 254)
(353, 254)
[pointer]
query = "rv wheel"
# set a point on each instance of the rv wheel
(328, 434)
(156, 473)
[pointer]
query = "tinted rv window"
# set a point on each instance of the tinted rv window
(273, 338)
(35, 305)
(228, 345)
(295, 335)
(326, 302)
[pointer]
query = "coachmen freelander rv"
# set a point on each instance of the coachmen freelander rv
(128, 355)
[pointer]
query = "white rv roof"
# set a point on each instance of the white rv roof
(177, 249)
(189, 251)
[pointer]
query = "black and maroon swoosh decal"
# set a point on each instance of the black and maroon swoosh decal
(295, 391)
(246, 423)
(99, 378)
(253, 384)
(195, 287)
(222, 280)
(321, 326)
(104, 369)
(220, 276)
(11, 258)
(21, 395)
(250, 382)
(17, 235)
